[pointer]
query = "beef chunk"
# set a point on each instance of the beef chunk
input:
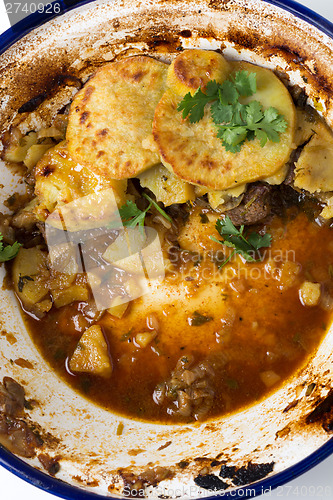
(255, 207)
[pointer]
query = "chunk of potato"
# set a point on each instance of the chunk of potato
(143, 339)
(216, 198)
(30, 276)
(314, 168)
(124, 251)
(84, 197)
(129, 242)
(17, 152)
(307, 122)
(166, 186)
(118, 307)
(35, 153)
(309, 293)
(71, 294)
(91, 354)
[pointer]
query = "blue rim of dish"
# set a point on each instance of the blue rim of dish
(60, 488)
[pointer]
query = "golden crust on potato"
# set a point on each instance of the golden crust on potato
(110, 120)
(196, 155)
(195, 68)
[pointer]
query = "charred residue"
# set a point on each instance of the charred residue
(235, 476)
(210, 482)
(323, 413)
(247, 474)
(20, 436)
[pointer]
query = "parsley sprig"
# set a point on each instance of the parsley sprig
(132, 216)
(235, 122)
(246, 246)
(8, 252)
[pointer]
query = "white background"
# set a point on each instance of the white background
(309, 485)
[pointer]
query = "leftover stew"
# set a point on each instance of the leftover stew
(173, 254)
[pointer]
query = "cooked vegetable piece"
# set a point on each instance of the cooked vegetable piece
(309, 293)
(167, 188)
(195, 68)
(314, 168)
(195, 154)
(198, 319)
(216, 198)
(17, 152)
(270, 378)
(91, 354)
(124, 251)
(30, 274)
(118, 307)
(143, 339)
(61, 180)
(35, 153)
(66, 296)
(110, 120)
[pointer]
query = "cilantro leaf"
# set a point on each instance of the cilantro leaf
(158, 208)
(235, 122)
(246, 246)
(129, 210)
(257, 241)
(8, 252)
(245, 83)
(228, 93)
(193, 106)
(132, 216)
(254, 113)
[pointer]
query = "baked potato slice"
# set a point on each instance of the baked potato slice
(195, 154)
(194, 68)
(110, 121)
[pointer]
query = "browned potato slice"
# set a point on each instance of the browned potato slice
(194, 68)
(196, 155)
(91, 354)
(110, 120)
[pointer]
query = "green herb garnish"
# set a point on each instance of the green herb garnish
(8, 252)
(199, 319)
(235, 122)
(158, 208)
(132, 216)
(246, 246)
